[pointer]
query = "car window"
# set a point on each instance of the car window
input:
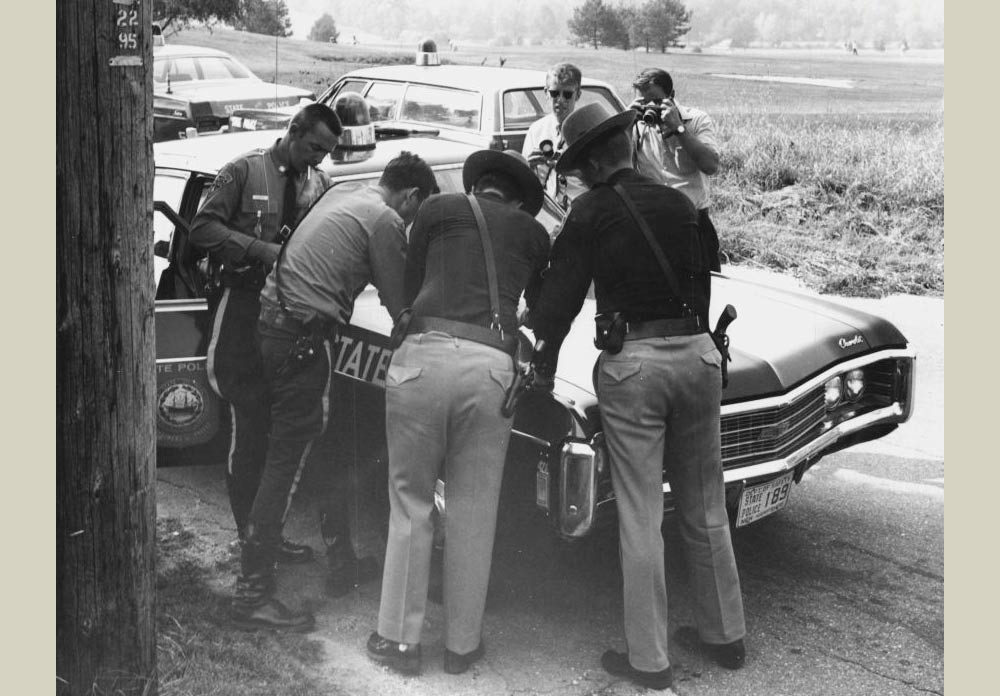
(442, 107)
(185, 69)
(218, 68)
(353, 86)
(521, 108)
(382, 99)
(169, 188)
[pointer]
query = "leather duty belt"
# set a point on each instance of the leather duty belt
(274, 317)
(461, 329)
(686, 326)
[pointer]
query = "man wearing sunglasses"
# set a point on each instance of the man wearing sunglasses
(544, 142)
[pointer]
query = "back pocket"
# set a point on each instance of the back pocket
(401, 374)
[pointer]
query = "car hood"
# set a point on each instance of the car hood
(226, 96)
(779, 339)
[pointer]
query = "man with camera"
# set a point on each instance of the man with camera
(344, 242)
(250, 209)
(659, 384)
(544, 142)
(676, 145)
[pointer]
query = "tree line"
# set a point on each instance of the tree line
(657, 23)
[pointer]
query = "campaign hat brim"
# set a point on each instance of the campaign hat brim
(569, 159)
(482, 161)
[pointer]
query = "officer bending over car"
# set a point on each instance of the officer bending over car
(346, 241)
(250, 209)
(469, 260)
(658, 380)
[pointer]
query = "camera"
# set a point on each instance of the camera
(651, 112)
(547, 149)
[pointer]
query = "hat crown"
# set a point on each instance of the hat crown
(583, 119)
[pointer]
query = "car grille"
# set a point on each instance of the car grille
(771, 433)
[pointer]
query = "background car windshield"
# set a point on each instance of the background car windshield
(441, 107)
(188, 68)
(522, 107)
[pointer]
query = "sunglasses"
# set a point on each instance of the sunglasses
(567, 94)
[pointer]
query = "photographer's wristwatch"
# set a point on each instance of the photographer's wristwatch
(679, 130)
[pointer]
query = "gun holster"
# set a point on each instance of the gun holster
(722, 344)
(611, 328)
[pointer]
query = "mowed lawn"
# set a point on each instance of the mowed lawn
(833, 164)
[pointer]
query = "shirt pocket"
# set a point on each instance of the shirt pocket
(398, 375)
(257, 210)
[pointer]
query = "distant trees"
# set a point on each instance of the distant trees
(259, 16)
(264, 17)
(180, 12)
(657, 23)
(325, 29)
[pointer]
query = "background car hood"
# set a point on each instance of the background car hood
(235, 94)
(779, 339)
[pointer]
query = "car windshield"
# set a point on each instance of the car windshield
(441, 107)
(188, 68)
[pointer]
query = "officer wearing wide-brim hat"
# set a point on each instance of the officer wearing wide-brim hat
(658, 384)
(444, 390)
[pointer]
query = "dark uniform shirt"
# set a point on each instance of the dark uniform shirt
(446, 269)
(245, 203)
(601, 242)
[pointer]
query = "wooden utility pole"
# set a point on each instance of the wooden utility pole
(105, 370)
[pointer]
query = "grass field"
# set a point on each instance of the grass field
(839, 182)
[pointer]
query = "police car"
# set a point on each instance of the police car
(487, 106)
(808, 376)
(196, 89)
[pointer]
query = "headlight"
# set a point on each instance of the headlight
(833, 392)
(854, 384)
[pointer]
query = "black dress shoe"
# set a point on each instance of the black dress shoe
(617, 663)
(456, 664)
(730, 655)
(402, 657)
(290, 552)
(273, 616)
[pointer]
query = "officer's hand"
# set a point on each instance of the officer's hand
(265, 252)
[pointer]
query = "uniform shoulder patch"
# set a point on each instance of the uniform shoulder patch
(223, 178)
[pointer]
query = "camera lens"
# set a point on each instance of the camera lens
(545, 147)
(651, 116)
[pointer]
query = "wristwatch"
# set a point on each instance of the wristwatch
(680, 130)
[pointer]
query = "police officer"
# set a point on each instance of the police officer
(346, 241)
(659, 386)
(444, 390)
(253, 204)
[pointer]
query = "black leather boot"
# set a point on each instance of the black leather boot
(254, 606)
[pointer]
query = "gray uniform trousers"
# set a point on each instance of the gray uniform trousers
(659, 401)
(443, 398)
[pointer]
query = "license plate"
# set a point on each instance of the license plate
(760, 501)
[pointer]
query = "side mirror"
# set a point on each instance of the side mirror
(162, 249)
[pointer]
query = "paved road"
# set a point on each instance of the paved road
(844, 589)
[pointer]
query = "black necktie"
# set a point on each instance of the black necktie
(288, 202)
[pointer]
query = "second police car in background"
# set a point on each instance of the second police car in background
(808, 376)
